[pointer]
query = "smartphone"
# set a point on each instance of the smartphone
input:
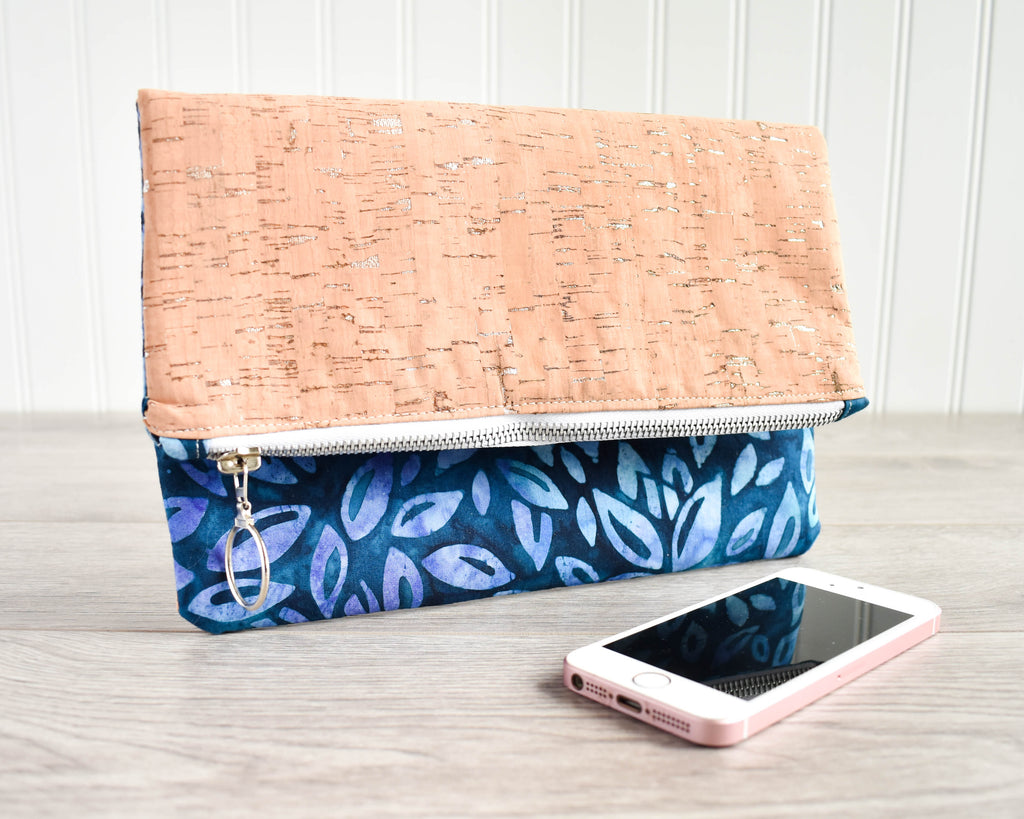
(722, 670)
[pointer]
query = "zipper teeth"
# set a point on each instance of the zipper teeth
(540, 433)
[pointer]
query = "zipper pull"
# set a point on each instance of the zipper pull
(238, 464)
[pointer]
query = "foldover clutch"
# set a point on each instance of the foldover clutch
(408, 353)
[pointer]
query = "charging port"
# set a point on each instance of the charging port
(631, 705)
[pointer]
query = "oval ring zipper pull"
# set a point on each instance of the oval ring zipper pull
(238, 464)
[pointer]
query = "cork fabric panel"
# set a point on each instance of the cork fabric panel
(313, 262)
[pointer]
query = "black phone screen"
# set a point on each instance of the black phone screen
(756, 639)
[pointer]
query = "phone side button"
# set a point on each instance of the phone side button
(651, 679)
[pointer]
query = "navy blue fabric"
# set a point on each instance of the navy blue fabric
(852, 406)
(349, 534)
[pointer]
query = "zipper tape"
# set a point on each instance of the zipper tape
(529, 430)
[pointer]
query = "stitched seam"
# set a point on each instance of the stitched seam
(461, 410)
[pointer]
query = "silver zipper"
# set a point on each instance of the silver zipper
(529, 430)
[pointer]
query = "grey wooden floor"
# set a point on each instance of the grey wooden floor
(112, 705)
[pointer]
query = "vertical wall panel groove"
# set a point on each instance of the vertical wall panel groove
(401, 55)
(448, 49)
(566, 53)
(161, 71)
(573, 32)
(21, 385)
(489, 49)
(327, 46)
(819, 81)
(240, 43)
(737, 59)
(933, 170)
(529, 60)
(406, 53)
(696, 44)
(93, 320)
(371, 64)
(891, 205)
(321, 24)
(614, 56)
(656, 57)
(201, 57)
(993, 370)
(969, 229)
(236, 46)
(858, 115)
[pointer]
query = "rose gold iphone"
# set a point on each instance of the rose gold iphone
(722, 670)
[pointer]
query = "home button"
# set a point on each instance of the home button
(651, 679)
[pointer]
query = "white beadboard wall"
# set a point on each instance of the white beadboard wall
(921, 102)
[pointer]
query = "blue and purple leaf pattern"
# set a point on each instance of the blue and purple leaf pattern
(744, 469)
(537, 544)
(630, 533)
(329, 569)
(274, 470)
(631, 467)
(353, 534)
(206, 475)
(573, 465)
(465, 566)
(574, 571)
(532, 484)
(425, 514)
(411, 469)
(280, 527)
(770, 471)
(216, 604)
(745, 534)
(182, 577)
(481, 492)
(785, 532)
(366, 496)
(587, 522)
(401, 575)
(184, 516)
(698, 526)
(364, 601)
